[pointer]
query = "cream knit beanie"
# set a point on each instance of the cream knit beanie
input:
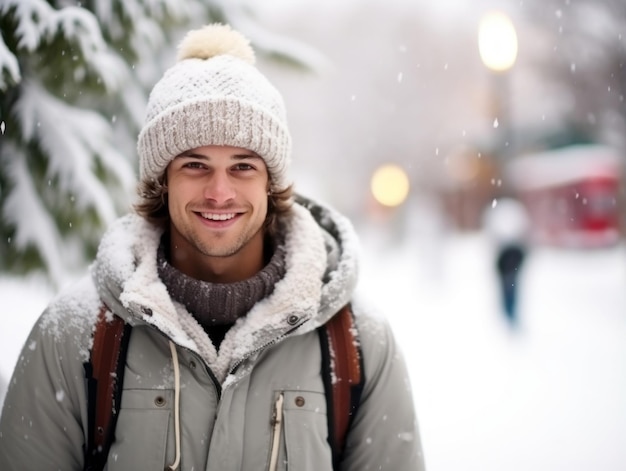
(214, 95)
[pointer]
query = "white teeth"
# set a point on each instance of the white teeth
(218, 217)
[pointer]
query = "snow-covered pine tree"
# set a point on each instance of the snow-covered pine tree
(69, 96)
(74, 78)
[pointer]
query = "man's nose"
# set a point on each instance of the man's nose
(219, 187)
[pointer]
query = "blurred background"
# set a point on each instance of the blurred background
(478, 146)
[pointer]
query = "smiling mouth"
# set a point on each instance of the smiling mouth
(218, 217)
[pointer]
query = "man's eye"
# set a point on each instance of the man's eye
(193, 165)
(243, 166)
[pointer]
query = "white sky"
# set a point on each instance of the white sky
(444, 9)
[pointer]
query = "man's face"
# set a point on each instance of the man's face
(217, 200)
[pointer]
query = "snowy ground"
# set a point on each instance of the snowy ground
(548, 397)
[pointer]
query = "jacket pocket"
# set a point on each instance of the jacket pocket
(302, 437)
(141, 431)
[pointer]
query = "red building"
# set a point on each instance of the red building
(572, 194)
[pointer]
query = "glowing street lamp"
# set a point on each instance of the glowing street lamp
(497, 42)
(497, 45)
(390, 185)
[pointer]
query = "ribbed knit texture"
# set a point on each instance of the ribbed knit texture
(219, 100)
(216, 306)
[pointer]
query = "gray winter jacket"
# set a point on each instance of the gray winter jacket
(186, 403)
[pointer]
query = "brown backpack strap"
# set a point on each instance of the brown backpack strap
(104, 374)
(342, 369)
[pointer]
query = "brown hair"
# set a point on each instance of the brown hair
(152, 204)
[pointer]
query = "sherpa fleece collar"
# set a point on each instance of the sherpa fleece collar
(314, 287)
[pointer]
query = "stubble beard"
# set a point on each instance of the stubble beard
(222, 249)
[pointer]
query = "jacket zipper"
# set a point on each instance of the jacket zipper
(277, 427)
(263, 347)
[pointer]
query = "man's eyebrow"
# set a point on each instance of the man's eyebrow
(246, 156)
(192, 154)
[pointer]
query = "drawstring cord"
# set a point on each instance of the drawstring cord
(174, 466)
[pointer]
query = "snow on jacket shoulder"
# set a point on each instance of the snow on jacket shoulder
(44, 413)
(267, 368)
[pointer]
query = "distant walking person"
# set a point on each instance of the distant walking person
(509, 263)
(507, 225)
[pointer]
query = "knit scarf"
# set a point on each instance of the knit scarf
(216, 306)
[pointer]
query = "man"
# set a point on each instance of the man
(507, 227)
(224, 279)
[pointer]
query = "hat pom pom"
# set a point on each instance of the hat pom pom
(215, 40)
